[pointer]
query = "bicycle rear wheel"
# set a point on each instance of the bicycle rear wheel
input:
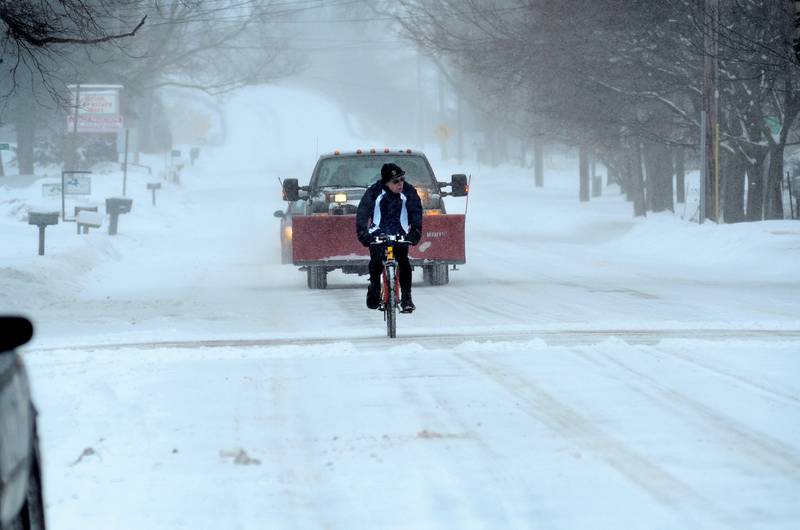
(390, 307)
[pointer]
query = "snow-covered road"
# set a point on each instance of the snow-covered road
(682, 434)
(582, 370)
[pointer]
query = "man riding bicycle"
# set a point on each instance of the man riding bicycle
(390, 206)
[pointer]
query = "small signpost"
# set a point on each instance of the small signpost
(773, 123)
(42, 220)
(3, 147)
(153, 186)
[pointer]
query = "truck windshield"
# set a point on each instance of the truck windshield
(363, 170)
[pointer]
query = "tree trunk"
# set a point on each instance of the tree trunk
(583, 162)
(755, 186)
(145, 122)
(773, 199)
(626, 177)
(733, 188)
(612, 175)
(680, 175)
(538, 154)
(637, 184)
(659, 178)
(26, 131)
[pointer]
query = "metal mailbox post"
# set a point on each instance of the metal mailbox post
(42, 220)
(114, 207)
(153, 186)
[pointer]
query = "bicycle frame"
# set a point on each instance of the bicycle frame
(390, 285)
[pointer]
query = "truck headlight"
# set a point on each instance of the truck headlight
(340, 197)
(287, 233)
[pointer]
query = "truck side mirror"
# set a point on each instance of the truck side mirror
(458, 185)
(279, 214)
(291, 190)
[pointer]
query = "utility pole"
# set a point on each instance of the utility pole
(538, 160)
(460, 128)
(420, 110)
(73, 155)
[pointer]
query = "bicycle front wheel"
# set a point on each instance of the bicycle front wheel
(391, 303)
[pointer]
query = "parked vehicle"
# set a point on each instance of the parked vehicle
(318, 226)
(21, 505)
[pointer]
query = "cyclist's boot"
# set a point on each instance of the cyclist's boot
(374, 295)
(406, 304)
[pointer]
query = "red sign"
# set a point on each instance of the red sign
(95, 123)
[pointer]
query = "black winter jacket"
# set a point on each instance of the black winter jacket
(393, 213)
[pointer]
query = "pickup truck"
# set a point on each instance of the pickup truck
(318, 226)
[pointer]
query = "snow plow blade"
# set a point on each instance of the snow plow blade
(331, 239)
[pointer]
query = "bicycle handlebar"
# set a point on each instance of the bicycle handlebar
(379, 240)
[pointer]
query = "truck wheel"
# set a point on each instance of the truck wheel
(317, 277)
(436, 275)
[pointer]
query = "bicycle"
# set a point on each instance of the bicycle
(390, 282)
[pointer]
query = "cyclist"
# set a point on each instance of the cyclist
(390, 206)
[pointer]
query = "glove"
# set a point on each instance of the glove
(414, 235)
(364, 237)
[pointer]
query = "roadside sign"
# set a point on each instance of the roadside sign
(95, 123)
(78, 185)
(98, 109)
(773, 124)
(443, 132)
(51, 189)
(73, 185)
(5, 147)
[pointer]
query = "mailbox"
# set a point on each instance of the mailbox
(79, 209)
(114, 207)
(42, 220)
(118, 205)
(153, 186)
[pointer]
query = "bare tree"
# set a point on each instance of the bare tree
(616, 73)
(34, 34)
(145, 45)
(212, 46)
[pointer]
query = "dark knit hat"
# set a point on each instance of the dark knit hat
(391, 171)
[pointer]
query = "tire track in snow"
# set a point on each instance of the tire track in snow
(664, 488)
(763, 448)
(433, 425)
(493, 465)
(732, 376)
